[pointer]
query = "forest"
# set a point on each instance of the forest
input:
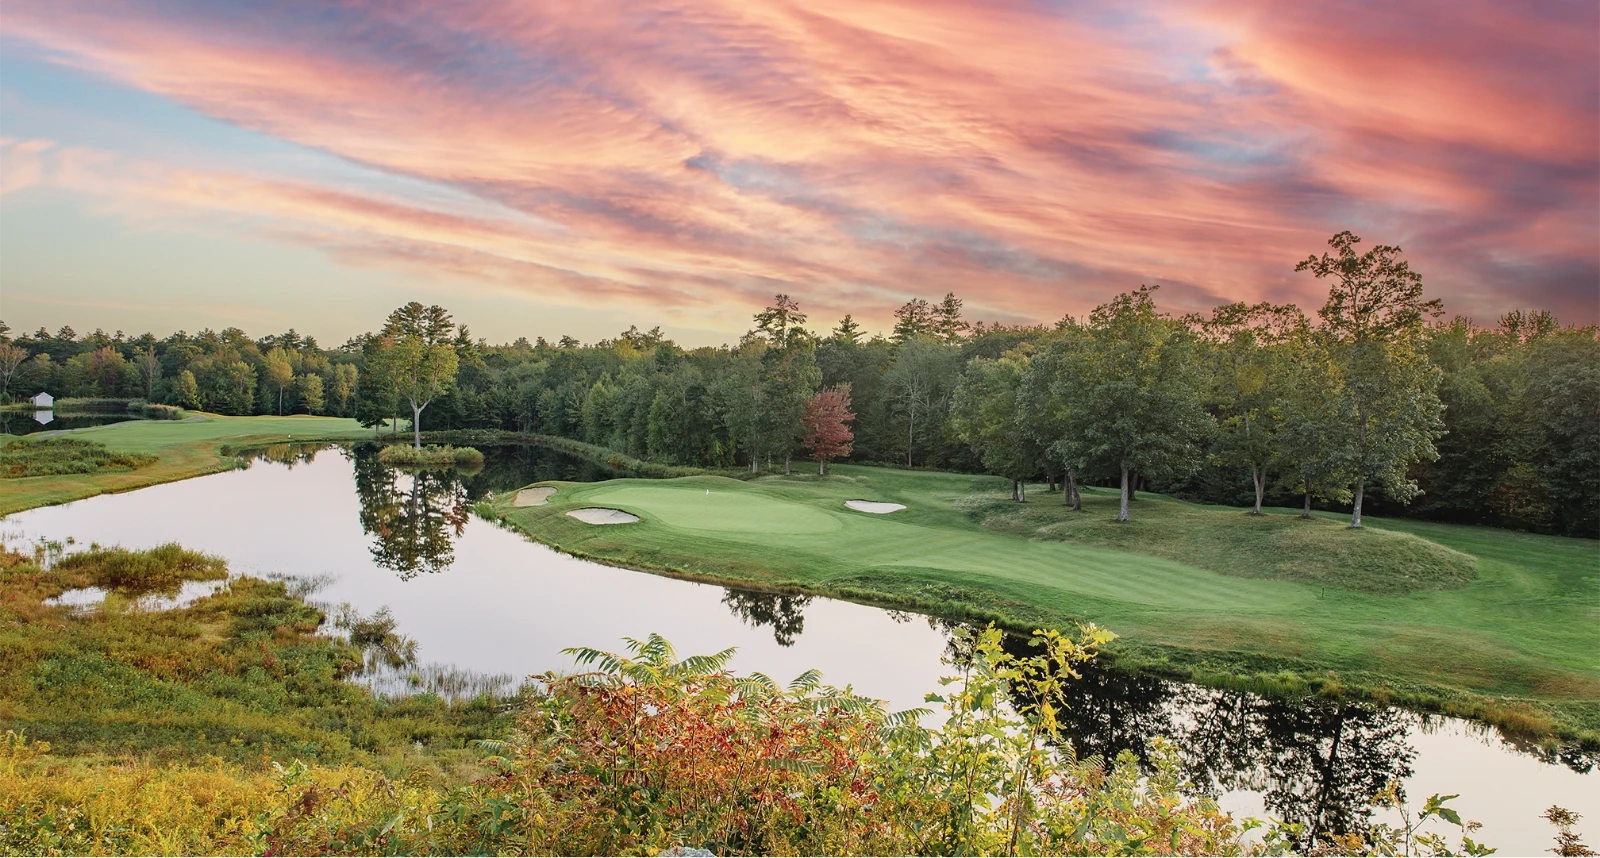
(1376, 402)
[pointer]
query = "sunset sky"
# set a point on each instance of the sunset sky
(543, 168)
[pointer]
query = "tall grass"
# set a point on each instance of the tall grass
(59, 456)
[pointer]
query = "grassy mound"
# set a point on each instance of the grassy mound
(1314, 551)
(404, 456)
(60, 456)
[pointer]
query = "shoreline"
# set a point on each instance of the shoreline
(1522, 720)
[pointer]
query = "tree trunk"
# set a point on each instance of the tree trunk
(1023, 495)
(787, 466)
(1013, 490)
(1074, 500)
(822, 468)
(1052, 479)
(1127, 489)
(280, 400)
(1307, 513)
(1259, 479)
(1132, 489)
(416, 425)
(1361, 490)
(911, 423)
(755, 463)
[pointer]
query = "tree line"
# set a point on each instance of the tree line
(1373, 401)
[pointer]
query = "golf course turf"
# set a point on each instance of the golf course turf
(1484, 623)
(184, 448)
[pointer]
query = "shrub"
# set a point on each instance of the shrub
(155, 410)
(92, 403)
(162, 568)
(401, 455)
(59, 456)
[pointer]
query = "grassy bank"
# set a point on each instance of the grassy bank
(226, 726)
(1482, 623)
(182, 449)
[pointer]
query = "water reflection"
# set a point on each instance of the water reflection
(413, 517)
(15, 422)
(1314, 762)
(784, 613)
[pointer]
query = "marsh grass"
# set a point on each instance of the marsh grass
(161, 569)
(405, 456)
(62, 456)
(242, 676)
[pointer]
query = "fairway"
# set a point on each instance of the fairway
(1183, 583)
(184, 448)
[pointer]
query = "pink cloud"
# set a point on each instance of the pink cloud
(698, 156)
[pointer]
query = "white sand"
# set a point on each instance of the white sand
(876, 507)
(538, 496)
(598, 515)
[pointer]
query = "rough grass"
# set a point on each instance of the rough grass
(241, 676)
(1470, 621)
(61, 456)
(431, 456)
(1286, 547)
(182, 448)
(159, 569)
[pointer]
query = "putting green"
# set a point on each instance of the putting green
(693, 508)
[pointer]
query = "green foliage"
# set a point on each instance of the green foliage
(65, 456)
(986, 414)
(240, 676)
(635, 753)
(1128, 383)
(158, 569)
(431, 456)
(1387, 410)
(155, 410)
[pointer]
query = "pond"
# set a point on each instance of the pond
(14, 422)
(488, 602)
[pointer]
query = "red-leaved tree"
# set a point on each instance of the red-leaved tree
(826, 436)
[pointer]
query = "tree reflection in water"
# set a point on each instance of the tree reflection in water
(784, 613)
(414, 516)
(1315, 762)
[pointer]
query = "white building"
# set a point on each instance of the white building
(44, 400)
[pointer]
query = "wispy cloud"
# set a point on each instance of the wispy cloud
(1034, 157)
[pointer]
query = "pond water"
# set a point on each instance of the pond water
(14, 422)
(487, 601)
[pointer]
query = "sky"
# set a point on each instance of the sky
(547, 168)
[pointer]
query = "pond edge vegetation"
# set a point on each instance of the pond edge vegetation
(634, 753)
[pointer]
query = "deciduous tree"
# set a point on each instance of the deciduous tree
(825, 435)
(985, 414)
(419, 358)
(11, 357)
(1245, 358)
(279, 372)
(1131, 383)
(1389, 404)
(149, 367)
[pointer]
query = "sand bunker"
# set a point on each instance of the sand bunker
(538, 496)
(598, 515)
(878, 507)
